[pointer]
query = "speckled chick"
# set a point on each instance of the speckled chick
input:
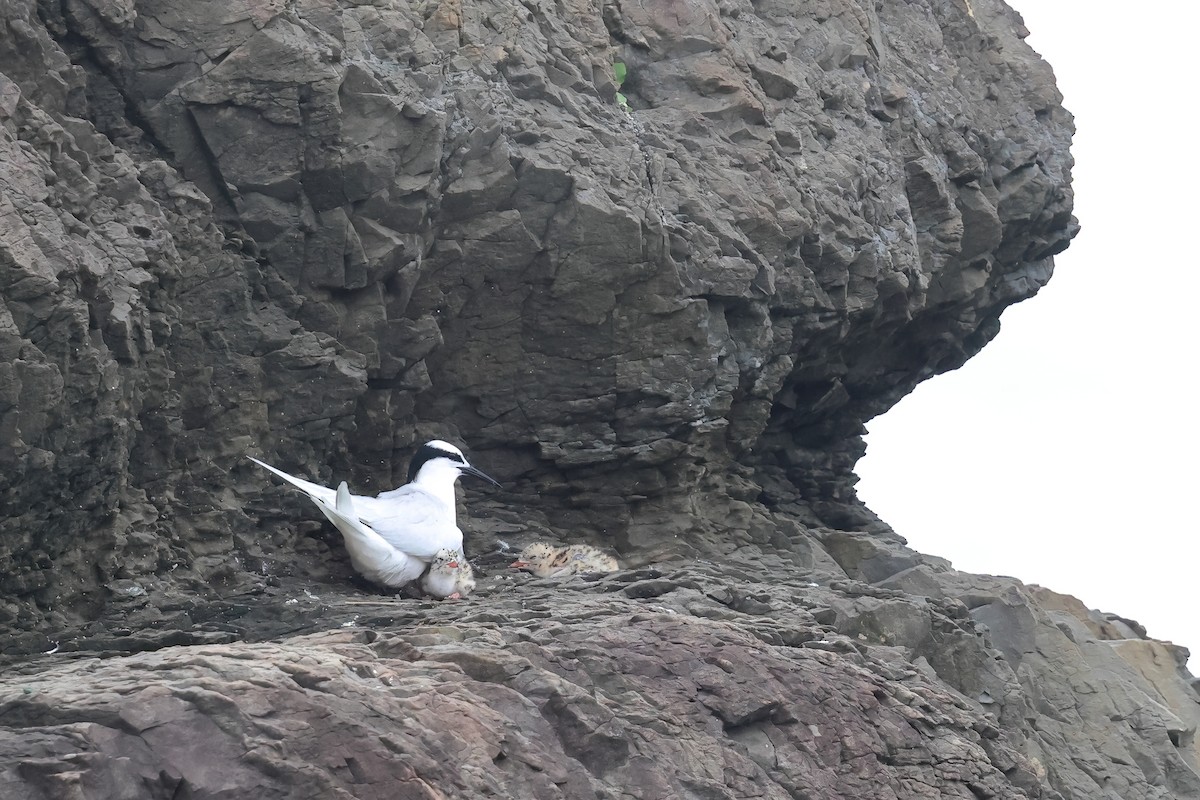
(449, 577)
(548, 561)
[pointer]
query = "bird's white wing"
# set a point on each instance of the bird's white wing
(317, 492)
(419, 536)
(412, 524)
(370, 553)
(414, 521)
(373, 557)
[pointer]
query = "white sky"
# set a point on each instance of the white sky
(1065, 453)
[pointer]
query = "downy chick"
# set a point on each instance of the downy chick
(449, 576)
(547, 561)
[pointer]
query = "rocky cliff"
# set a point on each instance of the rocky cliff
(657, 301)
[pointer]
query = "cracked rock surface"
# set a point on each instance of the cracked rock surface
(754, 677)
(320, 232)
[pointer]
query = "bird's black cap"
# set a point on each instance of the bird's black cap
(427, 452)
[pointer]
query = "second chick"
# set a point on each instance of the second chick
(547, 561)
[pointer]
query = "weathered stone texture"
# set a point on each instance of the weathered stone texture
(322, 231)
(733, 680)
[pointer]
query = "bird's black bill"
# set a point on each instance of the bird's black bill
(478, 473)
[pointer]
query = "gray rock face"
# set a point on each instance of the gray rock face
(321, 232)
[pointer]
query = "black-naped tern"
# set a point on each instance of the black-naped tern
(393, 537)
